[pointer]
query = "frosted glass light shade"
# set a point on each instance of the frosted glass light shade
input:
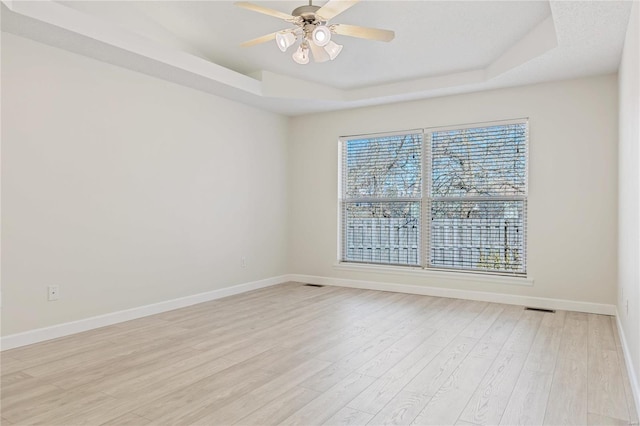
(333, 49)
(301, 55)
(284, 39)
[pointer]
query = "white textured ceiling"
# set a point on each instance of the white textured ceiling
(440, 47)
(432, 38)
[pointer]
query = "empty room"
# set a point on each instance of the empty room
(320, 212)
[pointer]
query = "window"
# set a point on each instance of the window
(382, 197)
(451, 198)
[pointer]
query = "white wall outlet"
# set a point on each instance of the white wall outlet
(54, 292)
(243, 262)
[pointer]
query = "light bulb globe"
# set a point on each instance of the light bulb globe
(321, 35)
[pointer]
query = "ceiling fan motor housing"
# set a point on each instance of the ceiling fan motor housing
(307, 13)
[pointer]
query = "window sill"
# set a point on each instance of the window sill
(427, 273)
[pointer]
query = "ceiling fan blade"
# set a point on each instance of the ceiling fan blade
(258, 40)
(334, 8)
(264, 10)
(363, 32)
(319, 54)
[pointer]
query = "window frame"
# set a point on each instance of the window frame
(426, 200)
(343, 199)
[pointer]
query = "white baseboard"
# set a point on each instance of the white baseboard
(631, 372)
(65, 329)
(47, 333)
(510, 299)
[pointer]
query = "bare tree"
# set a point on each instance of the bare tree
(385, 168)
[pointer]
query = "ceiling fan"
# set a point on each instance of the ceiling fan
(311, 26)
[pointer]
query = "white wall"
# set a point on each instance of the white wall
(629, 191)
(127, 190)
(572, 188)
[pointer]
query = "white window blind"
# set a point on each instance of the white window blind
(478, 198)
(381, 199)
(471, 198)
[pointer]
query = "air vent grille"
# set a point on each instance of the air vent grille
(550, 311)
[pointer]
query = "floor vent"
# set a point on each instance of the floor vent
(550, 311)
(314, 285)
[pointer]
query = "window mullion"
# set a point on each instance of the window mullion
(426, 199)
(482, 198)
(381, 199)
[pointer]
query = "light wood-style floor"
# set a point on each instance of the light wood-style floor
(295, 354)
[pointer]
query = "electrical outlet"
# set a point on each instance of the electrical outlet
(243, 262)
(54, 292)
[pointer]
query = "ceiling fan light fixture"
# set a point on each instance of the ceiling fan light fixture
(313, 28)
(333, 49)
(284, 39)
(301, 56)
(321, 35)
